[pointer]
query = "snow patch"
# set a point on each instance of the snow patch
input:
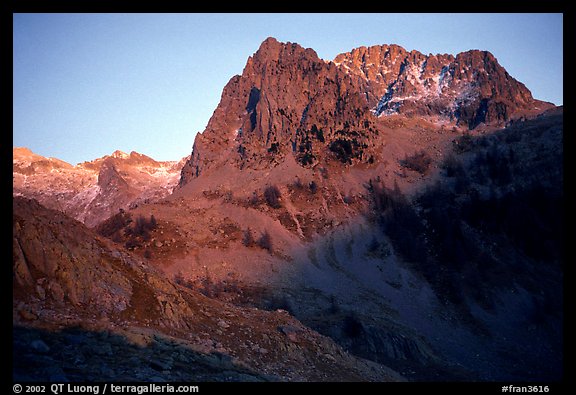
(443, 79)
(119, 154)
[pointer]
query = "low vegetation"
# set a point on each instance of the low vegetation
(122, 228)
(272, 196)
(264, 241)
(419, 161)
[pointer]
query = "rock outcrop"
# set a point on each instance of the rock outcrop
(469, 89)
(288, 101)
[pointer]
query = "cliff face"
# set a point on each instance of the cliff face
(289, 101)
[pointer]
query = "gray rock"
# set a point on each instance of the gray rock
(104, 349)
(286, 329)
(74, 339)
(161, 365)
(39, 346)
(290, 331)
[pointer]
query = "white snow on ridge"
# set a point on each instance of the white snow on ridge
(442, 80)
(86, 196)
(120, 154)
(163, 173)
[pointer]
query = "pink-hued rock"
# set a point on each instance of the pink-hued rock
(288, 101)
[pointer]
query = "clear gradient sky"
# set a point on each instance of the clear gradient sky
(88, 84)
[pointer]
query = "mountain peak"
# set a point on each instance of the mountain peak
(120, 154)
(274, 51)
(270, 42)
(21, 151)
(288, 101)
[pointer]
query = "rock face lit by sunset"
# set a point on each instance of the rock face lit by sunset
(385, 215)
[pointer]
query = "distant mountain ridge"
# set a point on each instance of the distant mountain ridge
(92, 191)
(288, 100)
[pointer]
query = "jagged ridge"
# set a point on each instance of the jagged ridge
(92, 191)
(288, 100)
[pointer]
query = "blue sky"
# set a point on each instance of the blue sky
(85, 85)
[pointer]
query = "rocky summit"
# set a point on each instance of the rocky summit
(289, 101)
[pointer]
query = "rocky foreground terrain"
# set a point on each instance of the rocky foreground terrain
(85, 310)
(387, 215)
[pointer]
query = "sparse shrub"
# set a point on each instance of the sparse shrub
(248, 239)
(463, 143)
(297, 184)
(419, 161)
(265, 241)
(254, 200)
(142, 226)
(274, 148)
(499, 217)
(208, 287)
(343, 150)
(313, 187)
(147, 253)
(179, 278)
(272, 196)
(114, 224)
(117, 237)
(228, 196)
(132, 244)
(307, 159)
